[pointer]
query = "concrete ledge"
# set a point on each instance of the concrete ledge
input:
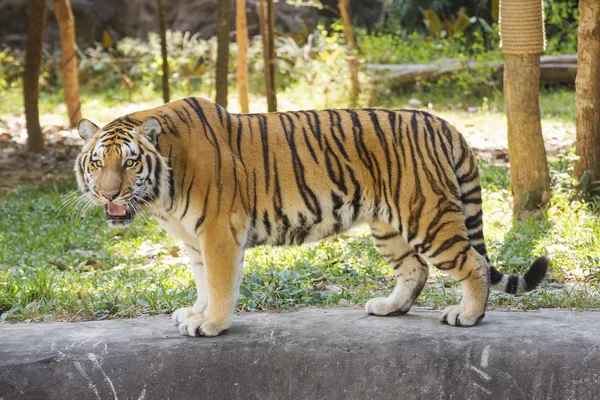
(311, 354)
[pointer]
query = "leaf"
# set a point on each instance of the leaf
(244, 291)
(433, 22)
(584, 182)
(61, 266)
(461, 22)
(107, 40)
(495, 10)
(486, 27)
(92, 264)
(174, 251)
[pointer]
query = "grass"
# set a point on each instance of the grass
(59, 266)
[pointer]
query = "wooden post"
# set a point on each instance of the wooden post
(223, 26)
(163, 49)
(68, 63)
(272, 99)
(31, 74)
(241, 36)
(522, 41)
(353, 62)
(267, 26)
(587, 85)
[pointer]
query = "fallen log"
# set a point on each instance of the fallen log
(554, 70)
(558, 73)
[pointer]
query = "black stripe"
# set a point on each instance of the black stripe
(187, 198)
(262, 125)
(308, 196)
(204, 209)
(387, 236)
(512, 284)
(398, 260)
(474, 221)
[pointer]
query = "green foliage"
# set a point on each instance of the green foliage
(408, 14)
(444, 27)
(562, 19)
(477, 53)
(10, 68)
(403, 47)
(318, 60)
(134, 62)
(319, 64)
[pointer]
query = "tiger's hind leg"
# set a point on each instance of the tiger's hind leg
(410, 270)
(449, 250)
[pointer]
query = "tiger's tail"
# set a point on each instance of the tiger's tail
(470, 196)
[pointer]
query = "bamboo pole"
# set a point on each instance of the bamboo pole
(353, 62)
(163, 49)
(223, 25)
(241, 36)
(68, 63)
(267, 24)
(31, 75)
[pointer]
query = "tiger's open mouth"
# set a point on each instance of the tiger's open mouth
(118, 215)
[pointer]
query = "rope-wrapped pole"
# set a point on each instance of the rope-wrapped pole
(522, 41)
(522, 27)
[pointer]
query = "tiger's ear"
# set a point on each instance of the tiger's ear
(87, 129)
(150, 128)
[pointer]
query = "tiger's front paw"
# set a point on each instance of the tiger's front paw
(181, 314)
(200, 325)
(199, 306)
(457, 316)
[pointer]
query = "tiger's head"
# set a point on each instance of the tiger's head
(120, 167)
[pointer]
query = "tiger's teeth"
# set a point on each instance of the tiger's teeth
(116, 210)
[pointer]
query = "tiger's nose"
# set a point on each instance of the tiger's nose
(110, 195)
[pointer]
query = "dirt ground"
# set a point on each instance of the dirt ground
(18, 167)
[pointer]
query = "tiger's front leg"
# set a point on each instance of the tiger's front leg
(223, 262)
(198, 270)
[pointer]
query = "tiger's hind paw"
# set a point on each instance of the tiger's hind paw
(456, 316)
(382, 306)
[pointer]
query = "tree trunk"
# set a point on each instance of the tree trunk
(529, 174)
(68, 67)
(272, 99)
(353, 62)
(262, 23)
(163, 49)
(241, 28)
(223, 26)
(587, 85)
(267, 30)
(33, 57)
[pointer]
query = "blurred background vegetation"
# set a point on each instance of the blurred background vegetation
(406, 31)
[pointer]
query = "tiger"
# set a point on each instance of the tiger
(223, 183)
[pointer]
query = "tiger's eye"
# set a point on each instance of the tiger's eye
(129, 163)
(97, 164)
